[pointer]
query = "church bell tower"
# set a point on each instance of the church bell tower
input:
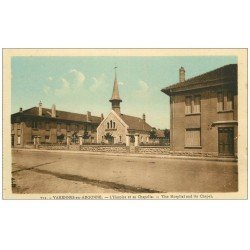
(115, 99)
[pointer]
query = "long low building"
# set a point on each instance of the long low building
(204, 113)
(43, 125)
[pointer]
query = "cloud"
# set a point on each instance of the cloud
(46, 89)
(70, 83)
(142, 89)
(98, 82)
(77, 77)
(143, 86)
(50, 78)
(64, 89)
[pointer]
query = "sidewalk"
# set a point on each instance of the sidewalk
(221, 159)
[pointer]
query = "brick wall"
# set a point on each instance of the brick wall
(154, 150)
(104, 148)
(209, 114)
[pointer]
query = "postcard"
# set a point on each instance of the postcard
(124, 124)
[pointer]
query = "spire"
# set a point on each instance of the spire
(115, 99)
(115, 94)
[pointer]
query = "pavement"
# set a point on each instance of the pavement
(179, 157)
(46, 171)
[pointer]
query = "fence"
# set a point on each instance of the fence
(154, 150)
(116, 148)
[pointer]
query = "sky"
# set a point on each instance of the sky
(81, 84)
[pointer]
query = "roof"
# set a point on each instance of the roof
(115, 94)
(135, 123)
(63, 115)
(226, 73)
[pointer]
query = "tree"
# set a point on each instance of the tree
(109, 137)
(60, 137)
(86, 135)
(152, 134)
(167, 133)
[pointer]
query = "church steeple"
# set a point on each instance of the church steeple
(115, 99)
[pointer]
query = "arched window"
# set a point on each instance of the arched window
(120, 138)
(113, 124)
(107, 124)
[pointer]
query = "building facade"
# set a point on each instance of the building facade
(41, 125)
(204, 113)
(118, 128)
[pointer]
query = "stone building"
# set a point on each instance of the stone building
(118, 128)
(204, 113)
(42, 125)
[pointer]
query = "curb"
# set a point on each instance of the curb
(170, 157)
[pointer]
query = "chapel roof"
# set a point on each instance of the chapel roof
(135, 123)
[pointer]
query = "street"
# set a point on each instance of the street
(36, 172)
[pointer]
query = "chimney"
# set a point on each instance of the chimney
(181, 74)
(88, 116)
(102, 117)
(21, 110)
(53, 111)
(144, 117)
(40, 109)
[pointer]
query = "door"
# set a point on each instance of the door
(226, 141)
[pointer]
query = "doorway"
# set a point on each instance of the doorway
(226, 141)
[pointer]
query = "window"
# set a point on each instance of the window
(188, 107)
(108, 125)
(34, 124)
(197, 104)
(225, 101)
(18, 126)
(68, 127)
(77, 127)
(120, 138)
(93, 128)
(47, 126)
(229, 100)
(193, 105)
(46, 138)
(113, 124)
(193, 137)
(58, 126)
(220, 104)
(18, 140)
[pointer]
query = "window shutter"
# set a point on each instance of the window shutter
(192, 137)
(197, 100)
(188, 107)
(229, 100)
(220, 102)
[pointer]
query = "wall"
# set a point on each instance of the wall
(104, 148)
(154, 150)
(27, 132)
(119, 130)
(209, 114)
